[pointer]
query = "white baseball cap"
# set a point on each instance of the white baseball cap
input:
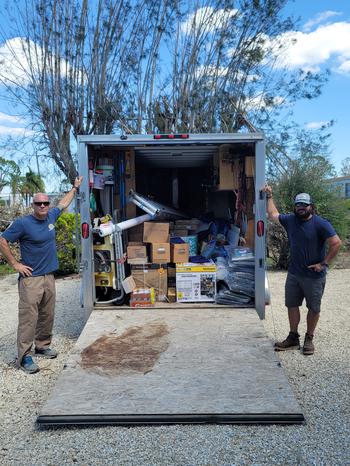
(305, 198)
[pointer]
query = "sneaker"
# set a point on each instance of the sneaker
(47, 353)
(290, 343)
(308, 348)
(28, 365)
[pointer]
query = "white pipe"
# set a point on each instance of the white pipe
(109, 228)
(133, 222)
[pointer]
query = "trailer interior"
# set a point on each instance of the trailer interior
(204, 180)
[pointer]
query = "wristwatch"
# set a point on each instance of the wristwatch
(324, 264)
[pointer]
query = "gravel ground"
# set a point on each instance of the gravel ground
(320, 383)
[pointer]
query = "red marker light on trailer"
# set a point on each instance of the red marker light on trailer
(85, 230)
(171, 136)
(260, 228)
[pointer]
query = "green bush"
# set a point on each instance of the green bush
(66, 246)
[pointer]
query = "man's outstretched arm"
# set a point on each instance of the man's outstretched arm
(67, 198)
(271, 209)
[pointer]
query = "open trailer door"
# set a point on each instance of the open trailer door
(164, 366)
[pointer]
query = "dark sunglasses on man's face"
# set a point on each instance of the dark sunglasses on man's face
(301, 204)
(46, 203)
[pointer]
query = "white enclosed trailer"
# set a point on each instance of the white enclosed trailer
(193, 152)
(174, 363)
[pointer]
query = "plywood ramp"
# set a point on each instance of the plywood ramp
(149, 366)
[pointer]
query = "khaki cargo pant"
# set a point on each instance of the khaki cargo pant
(36, 309)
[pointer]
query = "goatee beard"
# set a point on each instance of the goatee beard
(302, 215)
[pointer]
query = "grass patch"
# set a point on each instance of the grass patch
(5, 270)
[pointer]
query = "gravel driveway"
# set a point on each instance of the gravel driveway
(320, 383)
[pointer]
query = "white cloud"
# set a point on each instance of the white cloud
(14, 61)
(4, 117)
(11, 125)
(344, 68)
(328, 45)
(207, 19)
(316, 124)
(14, 131)
(320, 18)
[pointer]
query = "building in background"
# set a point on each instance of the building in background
(341, 185)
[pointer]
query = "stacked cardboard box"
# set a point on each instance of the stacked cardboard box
(184, 227)
(136, 253)
(160, 273)
(157, 234)
(179, 252)
(152, 276)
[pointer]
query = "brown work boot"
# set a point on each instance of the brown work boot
(290, 343)
(308, 348)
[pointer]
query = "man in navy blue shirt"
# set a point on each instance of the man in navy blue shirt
(308, 236)
(37, 239)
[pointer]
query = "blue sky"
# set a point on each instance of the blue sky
(326, 28)
(323, 41)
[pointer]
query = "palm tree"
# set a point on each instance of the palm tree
(9, 170)
(30, 184)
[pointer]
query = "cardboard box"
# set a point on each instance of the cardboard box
(155, 232)
(128, 284)
(172, 294)
(190, 225)
(249, 166)
(160, 253)
(136, 251)
(179, 252)
(195, 282)
(142, 297)
(152, 276)
(138, 261)
(135, 234)
(179, 233)
(227, 168)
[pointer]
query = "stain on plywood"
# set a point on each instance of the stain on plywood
(137, 349)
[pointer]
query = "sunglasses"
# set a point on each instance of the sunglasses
(46, 203)
(301, 204)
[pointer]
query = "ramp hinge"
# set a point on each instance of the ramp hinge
(83, 265)
(81, 196)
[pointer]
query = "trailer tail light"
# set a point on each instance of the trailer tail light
(85, 230)
(260, 228)
(171, 136)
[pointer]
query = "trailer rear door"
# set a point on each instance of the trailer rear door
(162, 366)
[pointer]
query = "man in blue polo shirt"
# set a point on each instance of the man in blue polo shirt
(308, 236)
(37, 239)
